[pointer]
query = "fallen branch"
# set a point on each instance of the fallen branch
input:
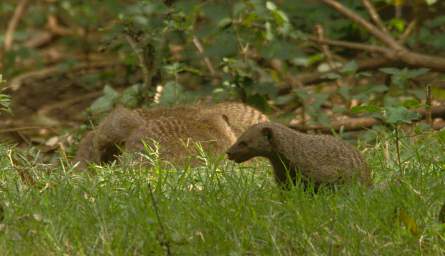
(352, 45)
(374, 15)
(139, 54)
(16, 82)
(207, 61)
(350, 124)
(41, 39)
(45, 110)
(309, 78)
(147, 57)
(360, 123)
(18, 13)
(382, 36)
(396, 51)
(12, 26)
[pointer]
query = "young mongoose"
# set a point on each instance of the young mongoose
(320, 159)
(191, 121)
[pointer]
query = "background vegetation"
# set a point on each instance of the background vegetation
(368, 71)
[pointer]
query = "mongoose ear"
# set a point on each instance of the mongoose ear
(267, 132)
(226, 118)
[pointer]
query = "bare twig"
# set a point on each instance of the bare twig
(316, 77)
(399, 159)
(139, 53)
(359, 123)
(165, 242)
(398, 51)
(374, 15)
(18, 13)
(429, 99)
(207, 61)
(385, 38)
(40, 40)
(54, 27)
(16, 129)
(12, 25)
(67, 103)
(17, 81)
(319, 31)
(352, 45)
(408, 31)
(23, 173)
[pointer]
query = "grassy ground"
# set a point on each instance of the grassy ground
(226, 209)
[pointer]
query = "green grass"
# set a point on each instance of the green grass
(225, 209)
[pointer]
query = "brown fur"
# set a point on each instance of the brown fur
(178, 138)
(320, 159)
(193, 123)
(240, 116)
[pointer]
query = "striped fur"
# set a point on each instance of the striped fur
(216, 127)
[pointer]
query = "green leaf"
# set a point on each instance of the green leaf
(131, 96)
(398, 24)
(106, 101)
(171, 93)
(349, 68)
(365, 109)
(399, 114)
(442, 214)
(285, 99)
(225, 23)
(411, 103)
(409, 222)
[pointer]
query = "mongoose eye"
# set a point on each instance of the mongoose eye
(242, 144)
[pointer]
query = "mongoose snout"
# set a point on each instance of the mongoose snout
(256, 143)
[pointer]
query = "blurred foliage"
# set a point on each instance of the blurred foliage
(253, 45)
(4, 99)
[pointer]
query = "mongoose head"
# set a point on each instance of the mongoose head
(255, 141)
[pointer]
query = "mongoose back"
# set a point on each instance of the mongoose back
(177, 138)
(320, 159)
(102, 144)
(240, 116)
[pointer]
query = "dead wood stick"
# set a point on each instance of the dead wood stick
(428, 101)
(399, 52)
(24, 128)
(352, 45)
(385, 38)
(139, 53)
(13, 23)
(408, 31)
(16, 82)
(319, 31)
(359, 123)
(350, 124)
(309, 78)
(374, 15)
(207, 61)
(67, 103)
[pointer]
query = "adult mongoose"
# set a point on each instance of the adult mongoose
(178, 138)
(320, 159)
(122, 124)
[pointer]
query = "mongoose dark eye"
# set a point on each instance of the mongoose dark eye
(242, 144)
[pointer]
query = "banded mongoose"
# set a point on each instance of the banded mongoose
(178, 138)
(101, 144)
(320, 159)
